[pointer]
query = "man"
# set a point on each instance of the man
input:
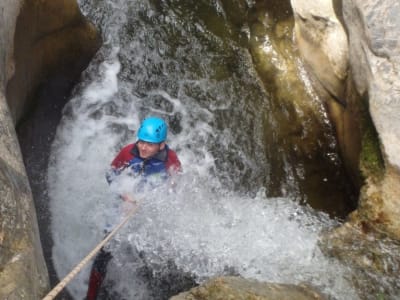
(149, 157)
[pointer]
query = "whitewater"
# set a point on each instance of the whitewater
(206, 225)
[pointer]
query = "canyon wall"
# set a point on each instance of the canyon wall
(38, 39)
(352, 50)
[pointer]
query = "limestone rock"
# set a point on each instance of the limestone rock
(370, 56)
(236, 288)
(323, 43)
(373, 28)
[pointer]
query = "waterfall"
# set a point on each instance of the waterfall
(160, 58)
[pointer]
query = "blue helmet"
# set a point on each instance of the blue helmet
(153, 130)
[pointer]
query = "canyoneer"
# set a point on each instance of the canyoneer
(147, 158)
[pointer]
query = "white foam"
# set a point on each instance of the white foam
(203, 227)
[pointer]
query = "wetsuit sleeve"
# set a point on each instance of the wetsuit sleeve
(173, 164)
(120, 162)
(123, 157)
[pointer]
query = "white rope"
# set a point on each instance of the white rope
(59, 287)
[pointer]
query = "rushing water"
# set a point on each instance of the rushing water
(165, 58)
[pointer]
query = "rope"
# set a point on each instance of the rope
(61, 285)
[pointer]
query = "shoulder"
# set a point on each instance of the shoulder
(171, 154)
(124, 156)
(127, 148)
(173, 160)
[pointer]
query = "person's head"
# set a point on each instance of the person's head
(151, 136)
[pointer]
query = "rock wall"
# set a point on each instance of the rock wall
(373, 28)
(51, 37)
(38, 39)
(23, 273)
(360, 72)
(323, 43)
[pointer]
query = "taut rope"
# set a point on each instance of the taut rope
(58, 288)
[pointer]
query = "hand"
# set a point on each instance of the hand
(128, 198)
(172, 187)
(128, 203)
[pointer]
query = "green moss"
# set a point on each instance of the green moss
(380, 296)
(371, 160)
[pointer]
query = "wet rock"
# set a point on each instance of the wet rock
(239, 288)
(38, 39)
(373, 28)
(366, 113)
(323, 43)
(23, 273)
(51, 38)
(373, 257)
(296, 118)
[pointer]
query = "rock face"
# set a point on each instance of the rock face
(51, 37)
(370, 62)
(373, 28)
(323, 43)
(374, 260)
(37, 39)
(23, 273)
(240, 289)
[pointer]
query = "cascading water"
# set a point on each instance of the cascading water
(159, 58)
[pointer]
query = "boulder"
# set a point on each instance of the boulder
(242, 289)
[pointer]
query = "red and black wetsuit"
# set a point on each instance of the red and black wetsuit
(166, 161)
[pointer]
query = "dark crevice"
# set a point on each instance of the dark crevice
(36, 133)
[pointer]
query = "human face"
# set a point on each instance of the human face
(147, 150)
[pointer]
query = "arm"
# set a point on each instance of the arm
(173, 164)
(120, 162)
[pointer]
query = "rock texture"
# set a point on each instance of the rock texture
(51, 37)
(38, 39)
(369, 59)
(238, 288)
(23, 273)
(323, 43)
(373, 28)
(373, 258)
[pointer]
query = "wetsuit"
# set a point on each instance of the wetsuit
(163, 164)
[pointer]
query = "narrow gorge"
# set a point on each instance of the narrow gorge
(284, 115)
